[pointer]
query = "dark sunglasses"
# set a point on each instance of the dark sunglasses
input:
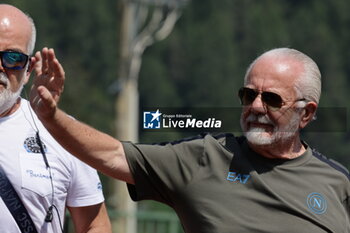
(13, 60)
(272, 100)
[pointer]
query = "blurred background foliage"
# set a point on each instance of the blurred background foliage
(202, 62)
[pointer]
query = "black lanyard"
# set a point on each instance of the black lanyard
(15, 205)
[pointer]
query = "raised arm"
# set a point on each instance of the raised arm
(97, 149)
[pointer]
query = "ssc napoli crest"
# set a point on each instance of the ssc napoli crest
(317, 203)
(31, 145)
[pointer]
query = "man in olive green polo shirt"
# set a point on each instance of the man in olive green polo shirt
(265, 181)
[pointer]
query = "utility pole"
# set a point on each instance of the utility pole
(143, 23)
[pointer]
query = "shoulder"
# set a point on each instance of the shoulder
(207, 142)
(181, 147)
(332, 163)
(196, 146)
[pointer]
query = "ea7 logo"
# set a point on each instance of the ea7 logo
(316, 203)
(237, 177)
(151, 120)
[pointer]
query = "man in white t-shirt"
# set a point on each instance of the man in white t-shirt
(46, 178)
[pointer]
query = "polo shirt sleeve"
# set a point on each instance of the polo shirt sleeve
(162, 171)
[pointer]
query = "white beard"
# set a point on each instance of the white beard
(7, 97)
(259, 136)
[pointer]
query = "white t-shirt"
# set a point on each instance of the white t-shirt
(75, 183)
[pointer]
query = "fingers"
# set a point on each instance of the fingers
(38, 63)
(43, 102)
(51, 62)
(48, 67)
(45, 61)
(51, 67)
(48, 83)
(46, 98)
(58, 69)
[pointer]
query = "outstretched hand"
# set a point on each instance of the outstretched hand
(48, 83)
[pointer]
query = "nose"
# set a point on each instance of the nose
(258, 106)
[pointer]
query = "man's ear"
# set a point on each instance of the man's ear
(31, 64)
(308, 113)
(30, 68)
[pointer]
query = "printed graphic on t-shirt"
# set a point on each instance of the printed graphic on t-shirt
(31, 145)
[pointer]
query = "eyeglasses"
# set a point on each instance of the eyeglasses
(272, 100)
(13, 60)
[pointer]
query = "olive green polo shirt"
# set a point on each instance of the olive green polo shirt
(218, 185)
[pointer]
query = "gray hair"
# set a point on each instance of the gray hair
(308, 85)
(31, 42)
